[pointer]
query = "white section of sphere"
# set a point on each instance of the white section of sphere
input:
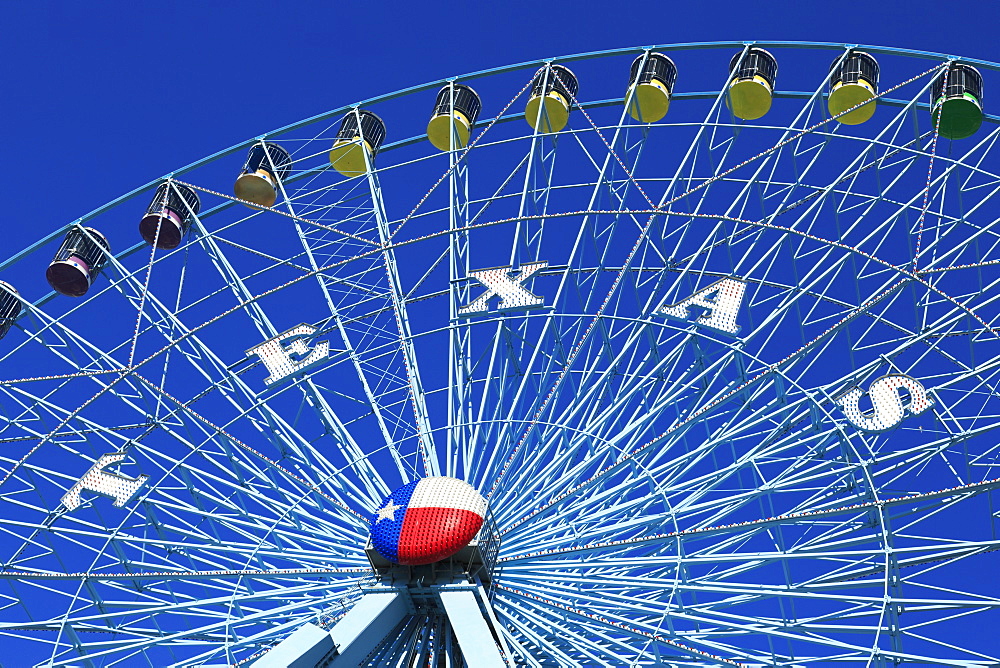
(445, 492)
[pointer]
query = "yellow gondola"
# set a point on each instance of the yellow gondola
(266, 166)
(752, 83)
(455, 111)
(650, 89)
(552, 92)
(357, 143)
(853, 81)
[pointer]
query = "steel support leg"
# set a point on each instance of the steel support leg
(305, 648)
(366, 625)
(471, 626)
(346, 644)
(378, 613)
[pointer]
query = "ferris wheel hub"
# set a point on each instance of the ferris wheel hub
(427, 520)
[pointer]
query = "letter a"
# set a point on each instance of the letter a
(721, 300)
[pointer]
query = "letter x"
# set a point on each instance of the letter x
(502, 282)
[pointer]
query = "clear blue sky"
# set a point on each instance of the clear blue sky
(102, 97)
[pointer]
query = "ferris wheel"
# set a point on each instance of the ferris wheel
(655, 356)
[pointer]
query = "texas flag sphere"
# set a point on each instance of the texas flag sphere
(427, 520)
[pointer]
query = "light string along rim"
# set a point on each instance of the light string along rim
(930, 170)
(149, 273)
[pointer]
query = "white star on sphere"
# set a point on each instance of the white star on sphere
(388, 512)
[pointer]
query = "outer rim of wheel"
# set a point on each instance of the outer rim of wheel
(425, 87)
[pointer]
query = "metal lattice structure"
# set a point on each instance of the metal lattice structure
(731, 393)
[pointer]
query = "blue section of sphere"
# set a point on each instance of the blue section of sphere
(385, 532)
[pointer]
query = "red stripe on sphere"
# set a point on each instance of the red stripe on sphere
(433, 534)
